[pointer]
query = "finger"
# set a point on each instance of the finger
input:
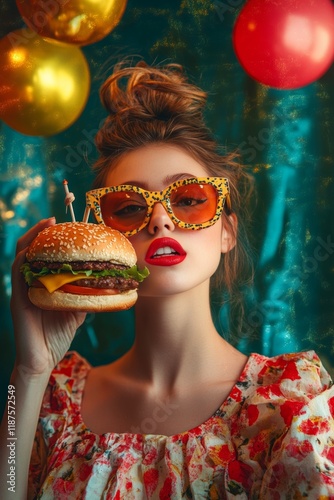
(19, 286)
(20, 258)
(28, 237)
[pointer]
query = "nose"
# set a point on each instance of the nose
(160, 220)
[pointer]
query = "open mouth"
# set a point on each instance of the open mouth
(165, 252)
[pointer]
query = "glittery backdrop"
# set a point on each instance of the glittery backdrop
(285, 138)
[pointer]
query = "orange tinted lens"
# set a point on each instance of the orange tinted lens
(123, 210)
(194, 203)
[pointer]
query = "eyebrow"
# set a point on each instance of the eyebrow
(169, 179)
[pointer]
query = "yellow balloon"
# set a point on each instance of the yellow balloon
(44, 87)
(78, 22)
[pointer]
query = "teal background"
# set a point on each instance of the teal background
(285, 139)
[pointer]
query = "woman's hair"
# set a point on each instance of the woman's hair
(158, 105)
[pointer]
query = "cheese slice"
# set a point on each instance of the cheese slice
(54, 281)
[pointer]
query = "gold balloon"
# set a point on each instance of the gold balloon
(44, 87)
(78, 22)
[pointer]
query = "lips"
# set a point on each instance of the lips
(165, 252)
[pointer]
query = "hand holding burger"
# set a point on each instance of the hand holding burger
(78, 266)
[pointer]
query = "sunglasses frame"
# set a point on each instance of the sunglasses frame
(221, 184)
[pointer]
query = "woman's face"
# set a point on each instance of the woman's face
(195, 255)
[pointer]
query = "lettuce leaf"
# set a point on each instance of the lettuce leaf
(131, 272)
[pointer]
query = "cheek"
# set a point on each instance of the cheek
(213, 235)
(211, 245)
(205, 246)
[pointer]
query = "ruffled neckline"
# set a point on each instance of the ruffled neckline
(226, 408)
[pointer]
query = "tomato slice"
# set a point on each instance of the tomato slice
(85, 290)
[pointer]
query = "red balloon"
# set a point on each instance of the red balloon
(285, 44)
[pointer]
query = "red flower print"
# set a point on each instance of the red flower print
(240, 473)
(85, 471)
(224, 453)
(236, 394)
(299, 449)
(166, 490)
(329, 452)
(61, 486)
(331, 406)
(269, 391)
(66, 370)
(329, 480)
(151, 478)
(150, 456)
(84, 445)
(253, 414)
(291, 372)
(314, 426)
(258, 445)
(221, 455)
(273, 367)
(197, 431)
(289, 409)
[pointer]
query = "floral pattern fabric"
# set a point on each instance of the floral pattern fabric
(272, 438)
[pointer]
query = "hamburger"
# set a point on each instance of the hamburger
(78, 266)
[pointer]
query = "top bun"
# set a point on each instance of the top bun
(81, 241)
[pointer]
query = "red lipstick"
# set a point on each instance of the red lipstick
(165, 252)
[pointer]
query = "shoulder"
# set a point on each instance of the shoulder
(301, 372)
(303, 457)
(285, 420)
(272, 391)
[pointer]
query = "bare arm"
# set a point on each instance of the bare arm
(17, 432)
(42, 339)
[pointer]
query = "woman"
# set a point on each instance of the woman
(182, 414)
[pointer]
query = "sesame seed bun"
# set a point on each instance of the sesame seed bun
(81, 241)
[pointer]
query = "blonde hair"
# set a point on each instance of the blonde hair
(148, 105)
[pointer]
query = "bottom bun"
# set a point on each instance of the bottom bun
(62, 301)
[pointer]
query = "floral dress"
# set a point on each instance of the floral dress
(272, 438)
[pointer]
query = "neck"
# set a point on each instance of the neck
(175, 339)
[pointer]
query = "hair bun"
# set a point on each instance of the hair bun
(146, 93)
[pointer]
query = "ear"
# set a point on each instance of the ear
(229, 233)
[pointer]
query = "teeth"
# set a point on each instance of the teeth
(165, 251)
